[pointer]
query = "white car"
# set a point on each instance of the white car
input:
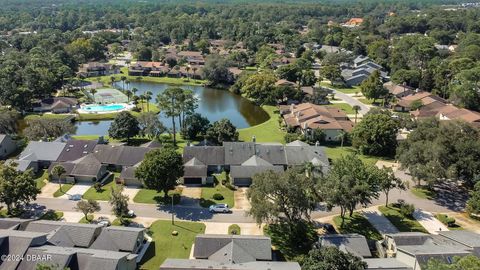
(219, 208)
(131, 214)
(75, 197)
(104, 221)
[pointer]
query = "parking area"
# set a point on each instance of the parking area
(76, 189)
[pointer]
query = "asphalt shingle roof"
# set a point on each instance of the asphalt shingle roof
(42, 151)
(353, 243)
(118, 238)
(76, 149)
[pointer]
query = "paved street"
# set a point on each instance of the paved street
(350, 100)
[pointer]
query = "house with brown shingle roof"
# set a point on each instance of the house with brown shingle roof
(307, 117)
(426, 98)
(447, 112)
(398, 90)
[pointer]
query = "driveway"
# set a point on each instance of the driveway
(48, 190)
(76, 189)
(379, 221)
(216, 228)
(241, 201)
(191, 196)
(72, 216)
(130, 192)
(429, 222)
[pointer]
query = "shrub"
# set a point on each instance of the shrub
(97, 186)
(290, 137)
(218, 196)
(407, 210)
(449, 221)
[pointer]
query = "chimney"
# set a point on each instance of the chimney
(317, 144)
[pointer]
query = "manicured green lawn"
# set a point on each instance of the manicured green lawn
(343, 106)
(208, 192)
(444, 219)
(268, 131)
(103, 194)
(343, 89)
(334, 152)
(370, 101)
(357, 224)
(39, 177)
(165, 245)
(423, 192)
(65, 188)
(403, 224)
(167, 80)
(52, 215)
(47, 116)
(83, 220)
(234, 229)
(154, 197)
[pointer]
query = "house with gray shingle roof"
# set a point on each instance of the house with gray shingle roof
(117, 238)
(230, 252)
(351, 243)
(7, 146)
(16, 243)
(245, 159)
(39, 155)
(87, 169)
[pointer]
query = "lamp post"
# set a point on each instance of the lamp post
(173, 217)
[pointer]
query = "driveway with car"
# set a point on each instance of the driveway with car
(76, 189)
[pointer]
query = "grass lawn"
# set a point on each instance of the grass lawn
(39, 177)
(83, 220)
(423, 192)
(444, 219)
(208, 192)
(165, 245)
(334, 152)
(403, 224)
(343, 89)
(370, 101)
(65, 188)
(343, 106)
(357, 224)
(47, 116)
(174, 81)
(234, 229)
(103, 194)
(154, 197)
(268, 131)
(52, 215)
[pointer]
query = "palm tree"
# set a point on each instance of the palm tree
(129, 94)
(58, 171)
(127, 82)
(342, 135)
(123, 79)
(93, 91)
(112, 80)
(142, 98)
(187, 68)
(168, 104)
(194, 72)
(356, 108)
(148, 97)
(134, 90)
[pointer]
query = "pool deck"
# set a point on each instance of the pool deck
(126, 107)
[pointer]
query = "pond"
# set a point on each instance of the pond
(214, 104)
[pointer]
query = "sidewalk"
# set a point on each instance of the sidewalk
(380, 222)
(429, 222)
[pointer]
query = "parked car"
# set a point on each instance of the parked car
(104, 221)
(131, 214)
(75, 197)
(219, 208)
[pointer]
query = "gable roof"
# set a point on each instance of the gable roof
(42, 151)
(353, 243)
(117, 238)
(75, 149)
(211, 155)
(120, 155)
(183, 264)
(232, 248)
(256, 161)
(250, 171)
(237, 152)
(17, 243)
(466, 238)
(66, 234)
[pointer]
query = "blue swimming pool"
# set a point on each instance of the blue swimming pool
(104, 108)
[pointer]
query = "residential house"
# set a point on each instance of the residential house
(143, 68)
(415, 249)
(232, 252)
(7, 146)
(355, 244)
(385, 264)
(424, 98)
(307, 117)
(192, 57)
(362, 68)
(245, 159)
(398, 91)
(93, 69)
(75, 149)
(87, 169)
(315, 95)
(39, 155)
(124, 159)
(14, 223)
(56, 105)
(353, 22)
(445, 112)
